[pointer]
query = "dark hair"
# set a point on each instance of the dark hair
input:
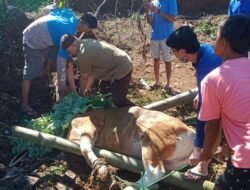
(236, 30)
(67, 40)
(89, 19)
(184, 38)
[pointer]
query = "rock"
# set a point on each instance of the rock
(70, 174)
(32, 180)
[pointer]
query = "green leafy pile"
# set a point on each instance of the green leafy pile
(206, 27)
(57, 122)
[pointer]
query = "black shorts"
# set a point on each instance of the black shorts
(233, 178)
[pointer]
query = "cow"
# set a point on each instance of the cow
(159, 140)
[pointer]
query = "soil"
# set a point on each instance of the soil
(71, 171)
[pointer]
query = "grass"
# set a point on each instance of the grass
(30, 5)
(57, 169)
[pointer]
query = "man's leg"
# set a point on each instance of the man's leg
(168, 67)
(157, 71)
(166, 56)
(34, 62)
(155, 54)
(119, 90)
(25, 93)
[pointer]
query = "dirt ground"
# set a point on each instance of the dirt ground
(66, 171)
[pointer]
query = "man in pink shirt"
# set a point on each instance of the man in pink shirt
(226, 99)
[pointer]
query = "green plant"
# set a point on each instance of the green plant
(205, 27)
(57, 169)
(57, 122)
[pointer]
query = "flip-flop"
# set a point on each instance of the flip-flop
(29, 111)
(191, 176)
(167, 89)
(154, 86)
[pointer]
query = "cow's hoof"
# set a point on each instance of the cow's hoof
(103, 173)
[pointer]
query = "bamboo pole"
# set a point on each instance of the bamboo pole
(183, 98)
(115, 159)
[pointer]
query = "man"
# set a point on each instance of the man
(102, 61)
(41, 41)
(161, 16)
(226, 99)
(237, 7)
(185, 46)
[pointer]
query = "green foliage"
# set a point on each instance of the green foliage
(57, 122)
(205, 27)
(57, 169)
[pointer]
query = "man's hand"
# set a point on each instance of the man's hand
(194, 158)
(224, 150)
(195, 102)
(155, 9)
(147, 6)
(87, 92)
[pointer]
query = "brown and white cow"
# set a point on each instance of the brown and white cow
(161, 141)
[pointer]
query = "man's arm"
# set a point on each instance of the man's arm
(70, 77)
(61, 75)
(169, 18)
(147, 7)
(89, 85)
(212, 130)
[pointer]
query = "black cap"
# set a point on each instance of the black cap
(67, 40)
(89, 19)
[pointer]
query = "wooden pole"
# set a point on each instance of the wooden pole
(183, 98)
(115, 159)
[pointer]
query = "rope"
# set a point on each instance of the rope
(145, 187)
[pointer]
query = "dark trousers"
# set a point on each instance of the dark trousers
(119, 90)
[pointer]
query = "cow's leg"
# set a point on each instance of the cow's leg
(87, 141)
(154, 168)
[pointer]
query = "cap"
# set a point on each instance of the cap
(89, 19)
(67, 40)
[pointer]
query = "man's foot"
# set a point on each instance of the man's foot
(29, 111)
(167, 89)
(194, 174)
(154, 85)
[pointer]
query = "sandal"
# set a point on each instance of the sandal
(167, 89)
(154, 86)
(191, 176)
(29, 111)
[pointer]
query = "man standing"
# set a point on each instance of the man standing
(102, 61)
(41, 43)
(186, 47)
(161, 16)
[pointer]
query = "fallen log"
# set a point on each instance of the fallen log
(183, 98)
(115, 159)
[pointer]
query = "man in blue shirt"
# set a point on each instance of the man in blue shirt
(41, 43)
(237, 7)
(161, 16)
(186, 47)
